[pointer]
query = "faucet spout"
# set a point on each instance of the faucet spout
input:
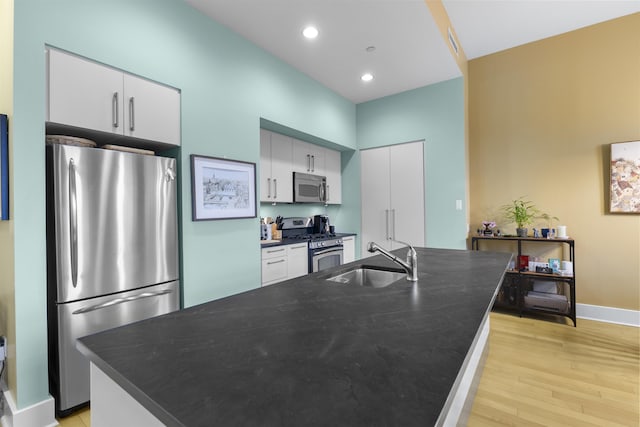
(410, 266)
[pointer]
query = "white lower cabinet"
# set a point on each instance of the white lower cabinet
(297, 260)
(348, 249)
(284, 262)
(274, 265)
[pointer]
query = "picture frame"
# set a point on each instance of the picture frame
(222, 188)
(624, 172)
(4, 167)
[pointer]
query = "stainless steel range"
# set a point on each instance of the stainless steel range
(325, 249)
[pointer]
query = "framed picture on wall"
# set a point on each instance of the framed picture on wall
(625, 177)
(222, 188)
(4, 167)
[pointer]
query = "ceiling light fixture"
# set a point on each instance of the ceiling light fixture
(367, 77)
(310, 32)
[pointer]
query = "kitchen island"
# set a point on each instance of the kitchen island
(307, 352)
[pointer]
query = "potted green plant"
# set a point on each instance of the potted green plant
(523, 213)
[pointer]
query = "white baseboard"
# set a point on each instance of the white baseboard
(600, 313)
(41, 414)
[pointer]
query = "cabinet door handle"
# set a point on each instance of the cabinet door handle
(275, 262)
(275, 188)
(132, 116)
(268, 188)
(313, 163)
(274, 251)
(393, 224)
(114, 110)
(386, 223)
(308, 163)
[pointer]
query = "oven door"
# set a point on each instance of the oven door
(322, 259)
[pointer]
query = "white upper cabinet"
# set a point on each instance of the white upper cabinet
(276, 179)
(92, 96)
(281, 155)
(308, 158)
(333, 172)
(84, 94)
(152, 111)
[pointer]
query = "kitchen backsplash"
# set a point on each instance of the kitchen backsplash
(303, 210)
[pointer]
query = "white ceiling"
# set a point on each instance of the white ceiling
(409, 51)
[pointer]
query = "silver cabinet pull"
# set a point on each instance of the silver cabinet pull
(73, 223)
(268, 188)
(313, 163)
(275, 262)
(393, 224)
(273, 251)
(117, 301)
(132, 116)
(275, 188)
(114, 110)
(386, 223)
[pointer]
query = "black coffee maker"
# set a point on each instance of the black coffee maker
(321, 224)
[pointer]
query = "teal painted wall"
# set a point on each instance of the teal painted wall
(227, 86)
(435, 114)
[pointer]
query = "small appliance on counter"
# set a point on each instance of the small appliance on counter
(321, 224)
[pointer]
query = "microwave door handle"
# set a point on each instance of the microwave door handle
(117, 301)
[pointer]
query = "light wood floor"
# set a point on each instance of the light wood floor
(542, 373)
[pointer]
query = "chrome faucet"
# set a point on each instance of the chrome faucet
(410, 266)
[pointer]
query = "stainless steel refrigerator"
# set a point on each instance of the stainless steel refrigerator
(112, 253)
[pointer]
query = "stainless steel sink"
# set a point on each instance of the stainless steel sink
(370, 277)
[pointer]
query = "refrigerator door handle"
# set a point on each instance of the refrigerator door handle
(73, 222)
(121, 300)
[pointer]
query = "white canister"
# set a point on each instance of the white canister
(567, 265)
(562, 232)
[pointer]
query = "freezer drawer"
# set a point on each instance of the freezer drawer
(81, 318)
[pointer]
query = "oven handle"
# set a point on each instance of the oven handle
(328, 250)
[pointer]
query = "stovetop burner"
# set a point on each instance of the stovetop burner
(314, 237)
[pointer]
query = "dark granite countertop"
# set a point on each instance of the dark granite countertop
(308, 351)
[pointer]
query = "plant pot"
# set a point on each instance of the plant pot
(522, 232)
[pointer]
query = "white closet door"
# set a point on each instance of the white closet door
(407, 193)
(375, 190)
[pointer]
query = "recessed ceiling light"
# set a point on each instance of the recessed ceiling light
(310, 32)
(367, 77)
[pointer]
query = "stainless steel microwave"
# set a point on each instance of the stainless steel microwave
(309, 188)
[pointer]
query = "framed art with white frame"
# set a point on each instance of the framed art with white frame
(625, 177)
